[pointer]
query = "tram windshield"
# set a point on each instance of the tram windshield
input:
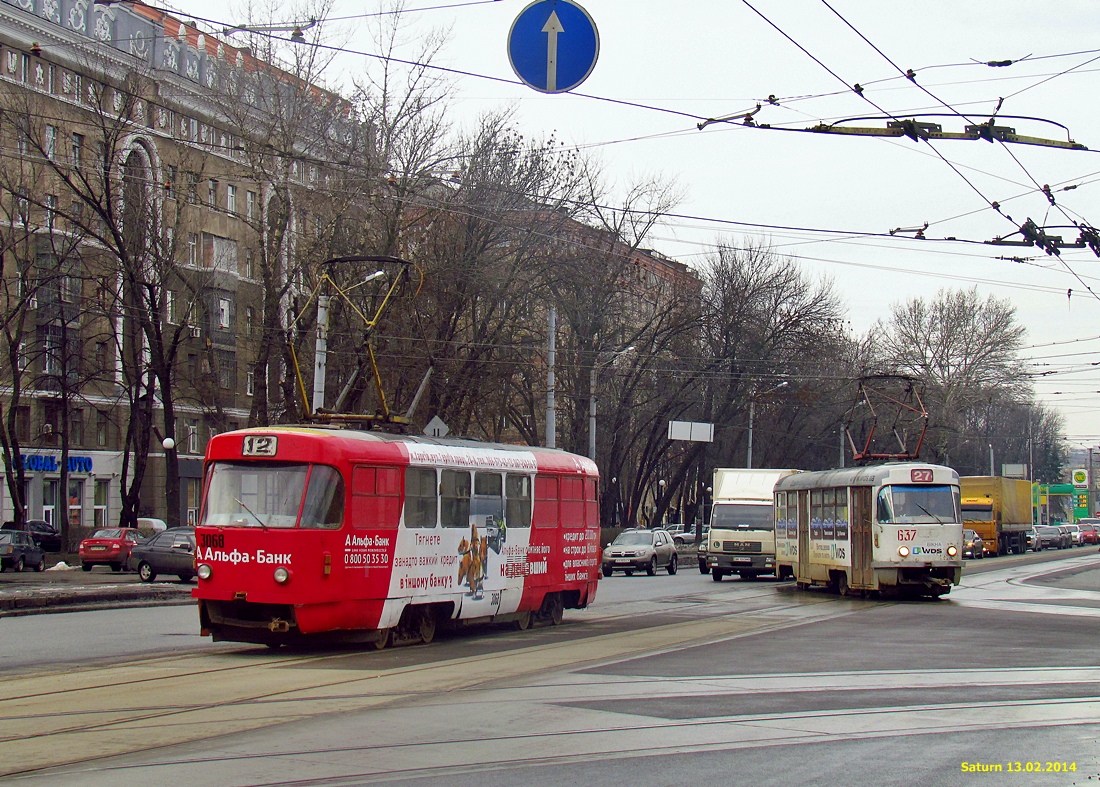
(272, 495)
(905, 504)
(738, 516)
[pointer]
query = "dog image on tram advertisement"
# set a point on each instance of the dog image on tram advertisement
(320, 531)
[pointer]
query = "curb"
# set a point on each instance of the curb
(48, 601)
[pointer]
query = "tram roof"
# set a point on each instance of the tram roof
(548, 458)
(867, 475)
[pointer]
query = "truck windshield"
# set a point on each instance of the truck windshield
(977, 513)
(740, 516)
(271, 495)
(905, 504)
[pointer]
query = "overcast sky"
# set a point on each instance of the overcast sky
(829, 200)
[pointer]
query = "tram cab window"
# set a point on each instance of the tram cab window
(324, 503)
(912, 504)
(591, 503)
(454, 498)
(517, 493)
(421, 502)
(255, 494)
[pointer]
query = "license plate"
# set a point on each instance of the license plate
(623, 560)
(742, 560)
(97, 549)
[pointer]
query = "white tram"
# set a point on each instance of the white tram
(892, 527)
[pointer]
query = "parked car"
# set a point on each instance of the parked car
(1090, 533)
(149, 523)
(18, 550)
(45, 534)
(110, 546)
(681, 534)
(640, 550)
(1067, 536)
(1047, 537)
(170, 552)
(973, 545)
(1074, 534)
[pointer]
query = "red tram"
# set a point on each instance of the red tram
(310, 532)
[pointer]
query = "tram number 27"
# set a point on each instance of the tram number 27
(907, 535)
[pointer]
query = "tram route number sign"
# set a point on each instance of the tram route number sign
(553, 45)
(260, 445)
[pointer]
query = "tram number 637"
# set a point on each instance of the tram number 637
(907, 535)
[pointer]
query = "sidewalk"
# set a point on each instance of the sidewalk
(65, 588)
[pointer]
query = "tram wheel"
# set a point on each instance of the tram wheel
(426, 625)
(840, 583)
(523, 622)
(383, 640)
(552, 609)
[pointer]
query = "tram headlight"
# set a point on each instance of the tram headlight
(952, 550)
(204, 571)
(903, 551)
(282, 575)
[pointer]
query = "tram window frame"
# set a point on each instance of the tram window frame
(572, 502)
(884, 512)
(828, 514)
(325, 498)
(843, 533)
(375, 497)
(454, 506)
(591, 502)
(815, 514)
(488, 497)
(546, 509)
(517, 502)
(780, 514)
(421, 498)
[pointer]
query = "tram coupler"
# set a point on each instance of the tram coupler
(278, 626)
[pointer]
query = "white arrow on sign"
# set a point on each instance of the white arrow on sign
(552, 28)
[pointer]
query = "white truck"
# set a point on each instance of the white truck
(742, 526)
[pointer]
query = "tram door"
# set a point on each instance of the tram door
(863, 576)
(803, 574)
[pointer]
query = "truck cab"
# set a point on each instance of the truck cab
(742, 525)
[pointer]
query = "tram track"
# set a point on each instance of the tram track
(40, 716)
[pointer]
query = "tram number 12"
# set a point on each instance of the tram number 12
(260, 445)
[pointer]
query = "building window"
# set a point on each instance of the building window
(76, 502)
(193, 189)
(102, 356)
(50, 142)
(250, 205)
(249, 383)
(23, 422)
(249, 264)
(102, 427)
(249, 320)
(231, 199)
(192, 436)
(212, 193)
(76, 427)
(170, 184)
(170, 307)
(78, 151)
(193, 249)
(50, 204)
(224, 306)
(21, 355)
(102, 494)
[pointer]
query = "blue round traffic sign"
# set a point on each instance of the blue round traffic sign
(553, 45)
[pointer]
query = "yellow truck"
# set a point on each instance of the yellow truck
(999, 510)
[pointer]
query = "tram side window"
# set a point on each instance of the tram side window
(324, 503)
(517, 492)
(421, 501)
(842, 514)
(828, 514)
(815, 514)
(375, 497)
(591, 503)
(488, 497)
(454, 498)
(546, 501)
(780, 514)
(884, 513)
(572, 502)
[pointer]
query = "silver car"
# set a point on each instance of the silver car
(640, 550)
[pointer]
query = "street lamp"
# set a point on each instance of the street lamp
(592, 396)
(752, 412)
